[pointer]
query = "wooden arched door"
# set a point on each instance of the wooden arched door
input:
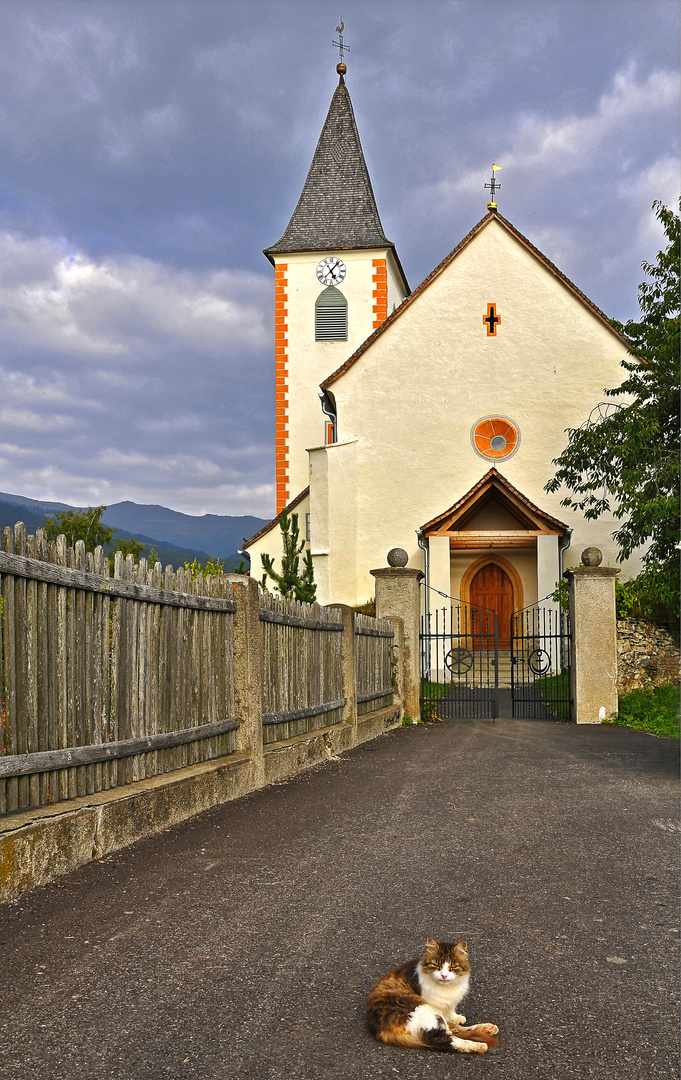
(492, 588)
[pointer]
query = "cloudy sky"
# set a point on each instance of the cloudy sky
(149, 151)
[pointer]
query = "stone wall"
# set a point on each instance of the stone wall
(647, 655)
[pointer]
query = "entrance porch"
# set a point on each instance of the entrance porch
(494, 549)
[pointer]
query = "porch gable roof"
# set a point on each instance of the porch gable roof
(532, 520)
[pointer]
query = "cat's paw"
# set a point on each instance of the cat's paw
(457, 1019)
(477, 1029)
(467, 1046)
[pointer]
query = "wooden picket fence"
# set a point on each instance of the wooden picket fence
(301, 667)
(374, 663)
(104, 680)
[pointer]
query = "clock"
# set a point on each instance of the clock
(331, 271)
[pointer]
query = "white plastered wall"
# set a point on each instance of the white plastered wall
(412, 398)
(547, 565)
(439, 565)
(310, 361)
(335, 537)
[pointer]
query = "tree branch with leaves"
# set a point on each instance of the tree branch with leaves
(626, 460)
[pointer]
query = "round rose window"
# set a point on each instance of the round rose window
(495, 438)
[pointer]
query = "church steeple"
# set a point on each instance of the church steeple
(336, 278)
(337, 208)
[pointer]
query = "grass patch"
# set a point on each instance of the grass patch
(431, 693)
(555, 693)
(432, 690)
(655, 711)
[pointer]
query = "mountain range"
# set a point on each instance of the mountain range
(177, 538)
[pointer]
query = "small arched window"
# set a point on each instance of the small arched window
(331, 316)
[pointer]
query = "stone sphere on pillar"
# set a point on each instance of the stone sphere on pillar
(592, 556)
(397, 557)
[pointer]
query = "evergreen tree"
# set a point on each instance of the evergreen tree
(290, 582)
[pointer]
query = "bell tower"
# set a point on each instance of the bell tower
(336, 279)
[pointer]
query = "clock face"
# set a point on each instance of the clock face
(331, 271)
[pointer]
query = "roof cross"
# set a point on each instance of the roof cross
(493, 186)
(340, 44)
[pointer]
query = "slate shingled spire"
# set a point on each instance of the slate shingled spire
(337, 208)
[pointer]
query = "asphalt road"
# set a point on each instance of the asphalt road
(242, 944)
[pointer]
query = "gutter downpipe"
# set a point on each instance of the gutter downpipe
(424, 548)
(328, 408)
(562, 548)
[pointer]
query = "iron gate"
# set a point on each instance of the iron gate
(459, 663)
(540, 663)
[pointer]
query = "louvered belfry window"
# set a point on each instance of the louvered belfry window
(331, 316)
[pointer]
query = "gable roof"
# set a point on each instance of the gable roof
(492, 215)
(337, 208)
(493, 483)
(275, 521)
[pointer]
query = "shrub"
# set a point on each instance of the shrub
(653, 710)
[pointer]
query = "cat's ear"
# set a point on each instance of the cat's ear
(431, 944)
(461, 947)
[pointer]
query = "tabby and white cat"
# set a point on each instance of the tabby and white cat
(416, 1004)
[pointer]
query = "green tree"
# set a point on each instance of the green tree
(129, 547)
(626, 459)
(126, 547)
(213, 568)
(290, 582)
(85, 525)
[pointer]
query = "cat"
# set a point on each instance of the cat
(416, 1004)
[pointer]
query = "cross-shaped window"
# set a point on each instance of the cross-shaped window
(491, 320)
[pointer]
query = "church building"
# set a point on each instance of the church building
(426, 419)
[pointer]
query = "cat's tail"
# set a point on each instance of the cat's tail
(478, 1033)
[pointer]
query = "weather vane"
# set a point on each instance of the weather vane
(342, 48)
(493, 187)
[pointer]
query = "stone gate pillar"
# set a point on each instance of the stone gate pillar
(593, 672)
(397, 596)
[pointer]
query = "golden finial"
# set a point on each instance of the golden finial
(493, 186)
(341, 67)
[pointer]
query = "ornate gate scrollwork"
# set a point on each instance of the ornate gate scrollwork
(459, 663)
(539, 662)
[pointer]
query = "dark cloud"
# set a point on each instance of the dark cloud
(150, 151)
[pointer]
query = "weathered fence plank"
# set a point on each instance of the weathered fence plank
(105, 680)
(27, 764)
(373, 663)
(10, 745)
(25, 568)
(302, 689)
